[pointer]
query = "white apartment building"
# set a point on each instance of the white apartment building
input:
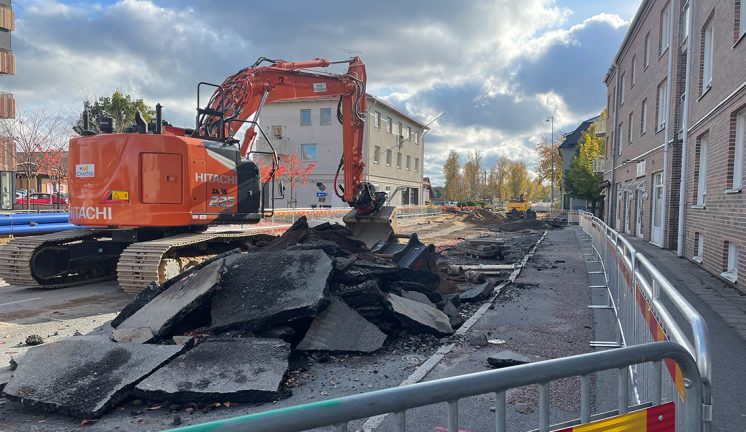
(393, 148)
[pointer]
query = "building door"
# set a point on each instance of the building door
(656, 230)
(640, 212)
(628, 212)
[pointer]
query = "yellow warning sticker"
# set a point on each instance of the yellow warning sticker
(119, 196)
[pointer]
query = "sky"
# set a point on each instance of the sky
(497, 68)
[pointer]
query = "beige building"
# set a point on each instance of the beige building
(393, 149)
(7, 107)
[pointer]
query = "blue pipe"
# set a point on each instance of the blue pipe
(35, 229)
(33, 218)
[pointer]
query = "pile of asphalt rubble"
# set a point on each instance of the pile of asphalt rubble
(225, 330)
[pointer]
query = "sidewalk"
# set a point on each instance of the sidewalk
(724, 300)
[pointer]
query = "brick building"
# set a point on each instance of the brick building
(677, 125)
(7, 107)
(715, 211)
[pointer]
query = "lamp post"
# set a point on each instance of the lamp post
(551, 150)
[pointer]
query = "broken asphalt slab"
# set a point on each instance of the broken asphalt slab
(341, 328)
(83, 376)
(263, 289)
(418, 316)
(166, 310)
(221, 370)
(478, 292)
(506, 359)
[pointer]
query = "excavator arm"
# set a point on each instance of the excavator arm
(245, 93)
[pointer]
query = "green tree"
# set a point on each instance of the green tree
(438, 193)
(120, 107)
(452, 175)
(472, 174)
(581, 181)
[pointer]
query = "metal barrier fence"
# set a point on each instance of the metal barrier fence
(645, 305)
(573, 217)
(398, 400)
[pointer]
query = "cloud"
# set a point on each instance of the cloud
(497, 67)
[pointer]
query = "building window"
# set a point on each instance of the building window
(388, 124)
(699, 244)
(621, 91)
(305, 117)
(700, 161)
(633, 71)
(388, 157)
(398, 159)
(308, 152)
(665, 28)
(646, 53)
(685, 22)
(621, 138)
(399, 129)
(277, 132)
(662, 106)
(707, 44)
(740, 18)
(417, 164)
(416, 137)
(377, 119)
(409, 162)
(644, 117)
(377, 154)
(409, 133)
(735, 152)
(730, 267)
(326, 116)
(629, 128)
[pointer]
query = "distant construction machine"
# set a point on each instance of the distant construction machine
(519, 208)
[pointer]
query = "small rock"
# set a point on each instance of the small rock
(177, 420)
(183, 340)
(34, 339)
(479, 341)
(13, 364)
(507, 359)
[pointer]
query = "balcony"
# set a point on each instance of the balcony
(7, 106)
(7, 62)
(7, 20)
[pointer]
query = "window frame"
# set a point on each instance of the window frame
(321, 114)
(633, 71)
(646, 55)
(310, 117)
(644, 117)
(708, 46)
(389, 157)
(398, 159)
(620, 138)
(303, 153)
(665, 29)
(630, 127)
(699, 243)
(409, 163)
(416, 164)
(662, 111)
(702, 146)
(621, 89)
(377, 117)
(389, 125)
(741, 19)
(731, 252)
(738, 147)
(376, 154)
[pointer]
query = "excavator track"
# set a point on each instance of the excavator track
(148, 261)
(18, 254)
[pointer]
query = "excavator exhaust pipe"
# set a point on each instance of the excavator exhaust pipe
(372, 228)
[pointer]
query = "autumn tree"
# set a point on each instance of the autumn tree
(472, 175)
(33, 132)
(54, 163)
(119, 106)
(452, 175)
(581, 181)
(502, 166)
(549, 161)
(517, 180)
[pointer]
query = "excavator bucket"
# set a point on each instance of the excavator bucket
(370, 229)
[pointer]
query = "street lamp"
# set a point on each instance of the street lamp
(551, 152)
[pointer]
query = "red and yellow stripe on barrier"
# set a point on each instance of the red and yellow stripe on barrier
(660, 418)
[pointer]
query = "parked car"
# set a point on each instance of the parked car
(41, 199)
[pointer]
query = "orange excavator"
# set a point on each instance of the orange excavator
(147, 196)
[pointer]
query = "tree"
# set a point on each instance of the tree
(438, 193)
(502, 166)
(452, 175)
(296, 172)
(54, 163)
(34, 132)
(472, 175)
(518, 182)
(548, 155)
(581, 181)
(120, 107)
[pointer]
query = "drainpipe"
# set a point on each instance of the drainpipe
(685, 136)
(614, 145)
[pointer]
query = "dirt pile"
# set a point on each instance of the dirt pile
(525, 224)
(484, 217)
